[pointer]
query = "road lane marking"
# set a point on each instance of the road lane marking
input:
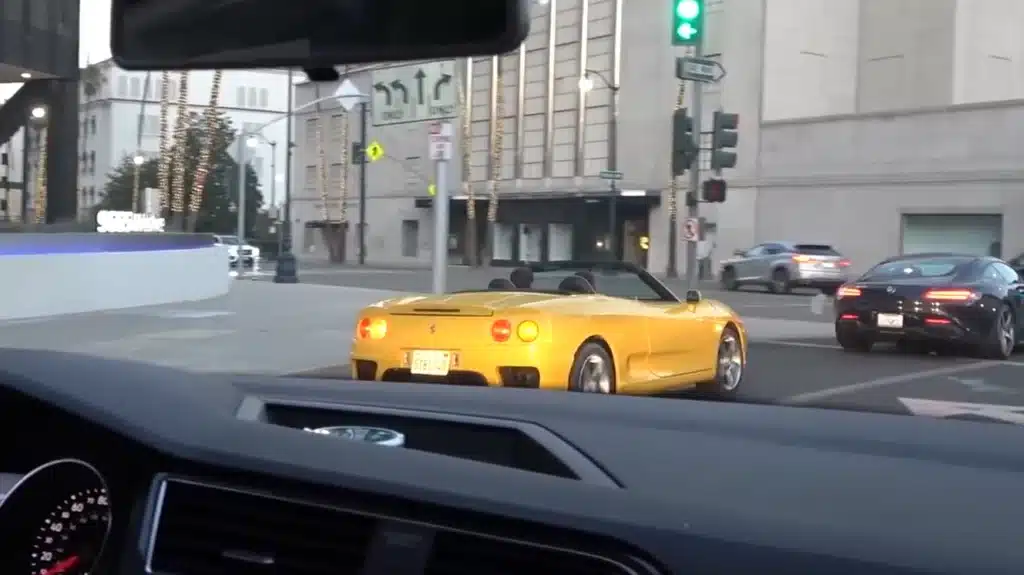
(813, 396)
(942, 409)
(793, 344)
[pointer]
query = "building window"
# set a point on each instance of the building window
(264, 98)
(85, 162)
(337, 121)
(410, 238)
(172, 89)
(311, 132)
(92, 162)
(122, 86)
(136, 84)
(310, 180)
(254, 97)
(240, 96)
(92, 125)
(151, 125)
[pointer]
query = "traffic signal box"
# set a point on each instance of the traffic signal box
(687, 22)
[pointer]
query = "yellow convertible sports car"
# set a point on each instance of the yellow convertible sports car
(592, 327)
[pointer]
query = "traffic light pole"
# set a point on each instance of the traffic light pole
(692, 196)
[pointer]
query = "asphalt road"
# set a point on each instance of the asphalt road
(816, 373)
(292, 329)
(751, 302)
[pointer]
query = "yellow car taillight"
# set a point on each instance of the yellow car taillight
(372, 328)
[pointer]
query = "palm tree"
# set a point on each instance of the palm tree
(164, 168)
(497, 141)
(468, 190)
(199, 182)
(92, 80)
(178, 155)
(41, 195)
(343, 184)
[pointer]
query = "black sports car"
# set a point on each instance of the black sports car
(934, 301)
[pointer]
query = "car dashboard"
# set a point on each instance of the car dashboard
(121, 468)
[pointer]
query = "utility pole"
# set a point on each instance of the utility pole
(285, 271)
(688, 30)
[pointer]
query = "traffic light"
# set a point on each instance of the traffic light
(714, 191)
(684, 149)
(687, 22)
(724, 138)
(358, 153)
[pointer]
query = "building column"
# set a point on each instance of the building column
(62, 152)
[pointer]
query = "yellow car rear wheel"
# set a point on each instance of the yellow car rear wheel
(593, 370)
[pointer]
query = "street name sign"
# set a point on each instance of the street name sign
(703, 70)
(414, 93)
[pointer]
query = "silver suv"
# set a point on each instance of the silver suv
(782, 266)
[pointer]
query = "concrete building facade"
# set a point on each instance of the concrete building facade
(864, 124)
(122, 119)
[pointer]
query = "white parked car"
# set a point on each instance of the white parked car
(250, 255)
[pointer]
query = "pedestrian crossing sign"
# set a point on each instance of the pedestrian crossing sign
(374, 151)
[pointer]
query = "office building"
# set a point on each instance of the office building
(121, 118)
(878, 126)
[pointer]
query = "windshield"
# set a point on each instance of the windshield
(947, 267)
(845, 183)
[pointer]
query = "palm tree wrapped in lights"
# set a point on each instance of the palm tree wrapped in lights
(178, 158)
(343, 184)
(673, 193)
(41, 192)
(164, 166)
(497, 141)
(195, 198)
(466, 103)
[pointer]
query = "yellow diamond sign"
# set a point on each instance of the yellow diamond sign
(374, 151)
(431, 190)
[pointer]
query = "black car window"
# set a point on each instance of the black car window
(755, 251)
(772, 249)
(1008, 274)
(918, 268)
(990, 273)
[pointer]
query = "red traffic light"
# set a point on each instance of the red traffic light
(714, 191)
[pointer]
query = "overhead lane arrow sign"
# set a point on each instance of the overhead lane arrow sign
(398, 86)
(444, 80)
(420, 96)
(381, 88)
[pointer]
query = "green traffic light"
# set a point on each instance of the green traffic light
(688, 9)
(686, 31)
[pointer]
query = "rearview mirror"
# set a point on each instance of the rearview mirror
(193, 34)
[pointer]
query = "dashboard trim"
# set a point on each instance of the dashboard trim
(585, 468)
(644, 567)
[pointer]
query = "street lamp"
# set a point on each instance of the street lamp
(38, 112)
(138, 160)
(586, 85)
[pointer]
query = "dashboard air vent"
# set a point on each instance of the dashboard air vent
(458, 553)
(206, 530)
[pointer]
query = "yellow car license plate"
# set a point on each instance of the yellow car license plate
(429, 362)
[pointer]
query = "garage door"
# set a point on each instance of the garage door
(971, 234)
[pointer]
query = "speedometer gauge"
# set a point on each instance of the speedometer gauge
(55, 521)
(69, 539)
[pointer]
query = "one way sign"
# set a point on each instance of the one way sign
(414, 93)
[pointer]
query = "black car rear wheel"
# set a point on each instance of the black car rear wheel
(1001, 340)
(852, 341)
